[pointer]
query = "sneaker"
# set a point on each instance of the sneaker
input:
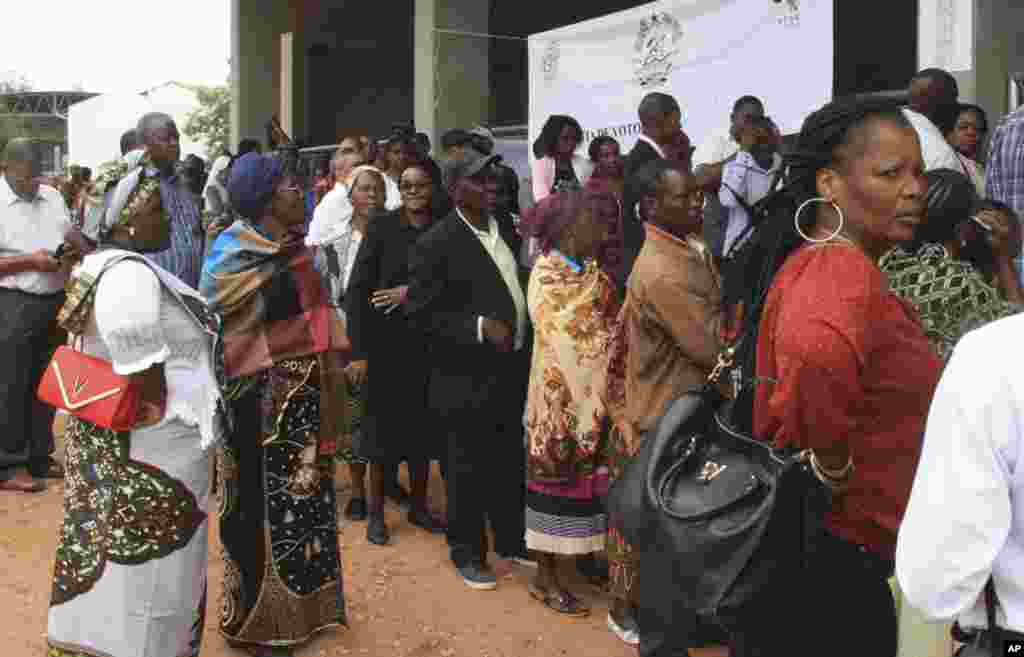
(629, 636)
(478, 577)
(521, 558)
(356, 509)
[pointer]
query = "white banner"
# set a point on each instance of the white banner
(706, 53)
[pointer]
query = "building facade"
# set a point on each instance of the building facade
(330, 67)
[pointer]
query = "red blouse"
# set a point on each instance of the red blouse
(840, 357)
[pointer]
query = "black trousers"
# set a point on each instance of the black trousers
(486, 480)
(842, 608)
(27, 323)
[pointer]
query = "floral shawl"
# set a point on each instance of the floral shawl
(102, 205)
(573, 310)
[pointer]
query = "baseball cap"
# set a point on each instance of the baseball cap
(468, 167)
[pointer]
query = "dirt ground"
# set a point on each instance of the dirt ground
(404, 600)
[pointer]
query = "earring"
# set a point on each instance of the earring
(800, 231)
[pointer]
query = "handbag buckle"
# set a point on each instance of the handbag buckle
(725, 361)
(710, 471)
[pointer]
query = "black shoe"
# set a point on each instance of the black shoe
(478, 577)
(400, 496)
(424, 520)
(377, 530)
(356, 509)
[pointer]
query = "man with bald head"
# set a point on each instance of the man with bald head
(931, 111)
(34, 223)
(159, 136)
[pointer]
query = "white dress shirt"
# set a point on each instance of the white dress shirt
(935, 150)
(28, 226)
(965, 519)
(746, 177)
(717, 147)
(505, 260)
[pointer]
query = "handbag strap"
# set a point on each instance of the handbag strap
(995, 632)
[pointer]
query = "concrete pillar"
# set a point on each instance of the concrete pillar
(452, 70)
(253, 57)
(424, 63)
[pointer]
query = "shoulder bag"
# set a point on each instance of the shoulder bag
(726, 516)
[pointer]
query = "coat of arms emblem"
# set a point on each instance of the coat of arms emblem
(656, 49)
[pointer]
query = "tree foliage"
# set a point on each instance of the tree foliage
(210, 123)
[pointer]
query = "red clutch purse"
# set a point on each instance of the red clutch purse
(88, 388)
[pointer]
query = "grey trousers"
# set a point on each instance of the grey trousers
(27, 323)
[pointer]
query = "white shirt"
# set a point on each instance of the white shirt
(746, 177)
(28, 226)
(717, 147)
(935, 150)
(335, 208)
(509, 268)
(965, 519)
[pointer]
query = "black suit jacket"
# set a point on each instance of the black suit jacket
(452, 283)
(632, 229)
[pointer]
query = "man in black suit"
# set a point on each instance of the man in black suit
(660, 123)
(466, 292)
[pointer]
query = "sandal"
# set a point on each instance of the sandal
(54, 470)
(562, 602)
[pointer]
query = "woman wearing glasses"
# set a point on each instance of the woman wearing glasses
(395, 425)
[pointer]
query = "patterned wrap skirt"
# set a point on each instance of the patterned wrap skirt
(623, 560)
(567, 520)
(130, 574)
(278, 516)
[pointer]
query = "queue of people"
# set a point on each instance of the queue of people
(402, 310)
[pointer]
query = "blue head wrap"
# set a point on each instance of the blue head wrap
(251, 184)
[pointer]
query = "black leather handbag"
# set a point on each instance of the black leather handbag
(729, 516)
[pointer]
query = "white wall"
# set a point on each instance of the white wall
(95, 126)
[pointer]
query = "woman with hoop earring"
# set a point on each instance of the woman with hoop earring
(840, 366)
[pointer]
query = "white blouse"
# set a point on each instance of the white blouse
(137, 323)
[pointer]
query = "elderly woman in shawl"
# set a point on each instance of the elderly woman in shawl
(573, 308)
(282, 581)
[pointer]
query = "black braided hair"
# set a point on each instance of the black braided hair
(829, 136)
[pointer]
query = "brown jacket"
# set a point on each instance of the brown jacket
(672, 322)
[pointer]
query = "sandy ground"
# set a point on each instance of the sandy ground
(404, 600)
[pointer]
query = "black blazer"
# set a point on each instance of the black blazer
(632, 229)
(452, 282)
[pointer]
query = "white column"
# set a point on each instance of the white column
(287, 83)
(252, 67)
(424, 63)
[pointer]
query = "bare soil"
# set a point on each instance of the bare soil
(404, 600)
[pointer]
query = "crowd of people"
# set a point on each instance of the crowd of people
(394, 307)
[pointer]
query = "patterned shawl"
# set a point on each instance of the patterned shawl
(274, 309)
(573, 312)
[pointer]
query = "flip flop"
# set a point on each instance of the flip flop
(562, 602)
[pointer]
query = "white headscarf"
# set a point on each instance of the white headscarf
(332, 217)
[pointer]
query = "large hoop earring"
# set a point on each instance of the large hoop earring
(800, 231)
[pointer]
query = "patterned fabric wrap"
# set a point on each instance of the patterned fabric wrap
(573, 314)
(282, 560)
(95, 197)
(951, 296)
(275, 307)
(623, 446)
